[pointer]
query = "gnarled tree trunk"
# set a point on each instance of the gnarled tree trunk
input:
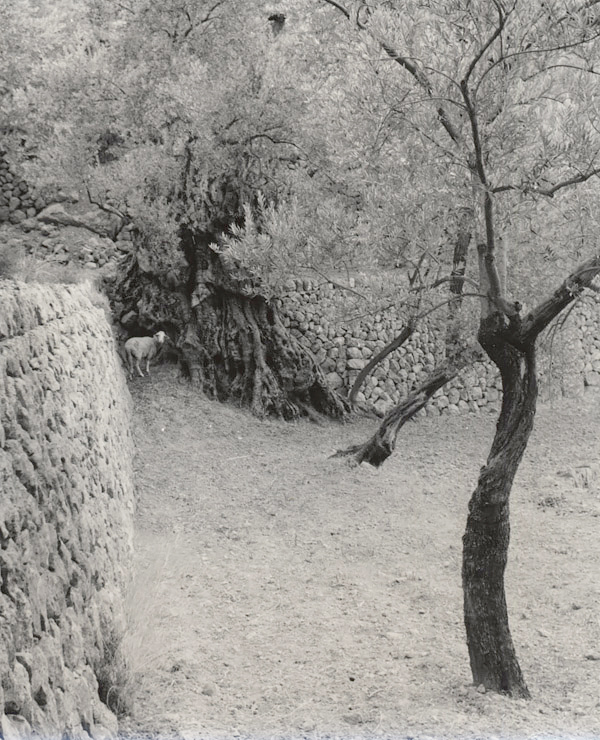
(511, 345)
(228, 332)
(485, 543)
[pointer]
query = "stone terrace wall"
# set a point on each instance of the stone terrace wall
(327, 320)
(55, 225)
(17, 200)
(65, 508)
(586, 339)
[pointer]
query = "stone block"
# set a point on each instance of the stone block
(476, 392)
(592, 379)
(356, 363)
(382, 406)
(15, 727)
(492, 394)
(17, 692)
(453, 396)
(334, 380)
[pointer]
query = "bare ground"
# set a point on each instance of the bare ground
(281, 593)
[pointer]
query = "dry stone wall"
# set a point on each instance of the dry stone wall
(55, 225)
(17, 200)
(586, 339)
(333, 324)
(65, 509)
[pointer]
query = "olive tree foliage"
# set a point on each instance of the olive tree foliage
(121, 96)
(512, 101)
(532, 88)
(222, 141)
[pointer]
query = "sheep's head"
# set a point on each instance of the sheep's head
(160, 337)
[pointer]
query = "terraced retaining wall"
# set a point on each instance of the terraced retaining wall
(332, 322)
(66, 509)
(17, 200)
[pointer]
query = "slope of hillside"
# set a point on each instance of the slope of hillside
(282, 593)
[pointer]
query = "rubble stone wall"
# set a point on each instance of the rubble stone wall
(334, 324)
(66, 509)
(18, 201)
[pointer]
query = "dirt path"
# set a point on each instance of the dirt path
(281, 593)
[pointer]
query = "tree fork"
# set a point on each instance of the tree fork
(509, 341)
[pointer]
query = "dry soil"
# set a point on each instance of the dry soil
(281, 593)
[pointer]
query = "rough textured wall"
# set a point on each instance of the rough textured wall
(17, 200)
(328, 320)
(54, 225)
(65, 509)
(586, 340)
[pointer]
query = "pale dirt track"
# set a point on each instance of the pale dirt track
(282, 593)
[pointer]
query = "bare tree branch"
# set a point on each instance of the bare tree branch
(339, 7)
(587, 70)
(549, 192)
(335, 282)
(419, 77)
(495, 35)
(454, 278)
(211, 10)
(397, 342)
(486, 251)
(506, 57)
(124, 7)
(190, 28)
(448, 152)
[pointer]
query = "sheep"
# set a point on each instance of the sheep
(142, 348)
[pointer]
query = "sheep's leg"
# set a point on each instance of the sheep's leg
(138, 368)
(148, 366)
(128, 364)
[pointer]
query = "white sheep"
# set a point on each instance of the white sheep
(138, 349)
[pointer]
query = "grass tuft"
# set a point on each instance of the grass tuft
(136, 651)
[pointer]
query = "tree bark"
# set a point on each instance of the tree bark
(454, 330)
(510, 343)
(485, 543)
(228, 332)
